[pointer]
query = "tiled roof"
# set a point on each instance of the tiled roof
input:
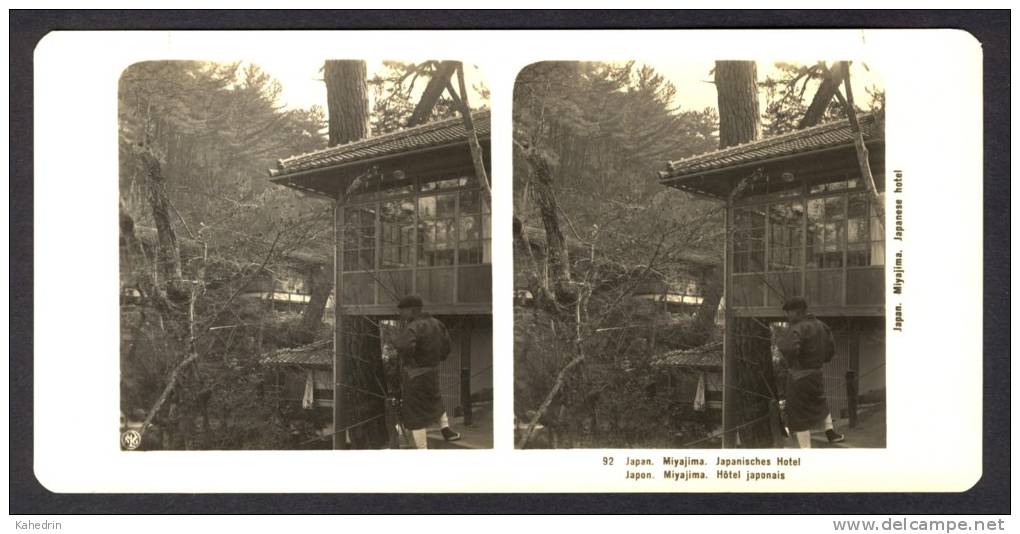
(830, 134)
(437, 133)
(317, 354)
(707, 357)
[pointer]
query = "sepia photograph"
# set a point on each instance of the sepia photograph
(699, 255)
(305, 255)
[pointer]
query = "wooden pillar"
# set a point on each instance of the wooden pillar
(465, 370)
(341, 394)
(729, 407)
(851, 397)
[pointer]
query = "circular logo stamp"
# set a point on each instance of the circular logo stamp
(131, 440)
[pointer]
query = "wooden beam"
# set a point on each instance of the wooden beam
(340, 378)
(465, 369)
(729, 408)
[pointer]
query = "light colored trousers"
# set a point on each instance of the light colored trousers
(418, 439)
(804, 437)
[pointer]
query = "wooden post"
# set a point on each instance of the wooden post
(340, 375)
(851, 397)
(465, 371)
(775, 424)
(729, 415)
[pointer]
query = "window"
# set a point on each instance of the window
(749, 240)
(475, 224)
(426, 235)
(437, 229)
(396, 221)
(786, 245)
(791, 238)
(826, 233)
(359, 237)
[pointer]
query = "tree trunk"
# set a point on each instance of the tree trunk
(469, 129)
(433, 90)
(321, 285)
(711, 282)
(168, 256)
(347, 100)
(739, 123)
(556, 245)
(827, 89)
(736, 83)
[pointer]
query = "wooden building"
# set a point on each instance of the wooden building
(800, 220)
(411, 217)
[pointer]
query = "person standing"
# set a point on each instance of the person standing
(422, 345)
(806, 346)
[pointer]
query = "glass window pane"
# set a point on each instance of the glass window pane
(877, 232)
(815, 258)
(446, 231)
(796, 257)
(470, 228)
(857, 255)
(834, 208)
(470, 202)
(857, 231)
(396, 211)
(350, 260)
(427, 207)
(796, 236)
(446, 205)
(779, 258)
(757, 264)
(444, 254)
(758, 218)
(878, 253)
(487, 226)
(426, 255)
(857, 206)
(393, 257)
(426, 232)
(470, 252)
(815, 210)
(367, 259)
(740, 262)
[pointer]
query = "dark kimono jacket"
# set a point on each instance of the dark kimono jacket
(806, 345)
(422, 346)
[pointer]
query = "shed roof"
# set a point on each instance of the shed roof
(429, 135)
(820, 137)
(317, 354)
(705, 357)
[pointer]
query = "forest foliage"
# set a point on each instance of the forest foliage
(196, 140)
(208, 131)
